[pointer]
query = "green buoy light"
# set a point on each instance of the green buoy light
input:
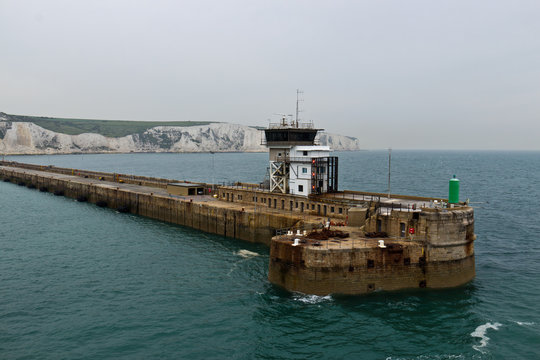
(453, 192)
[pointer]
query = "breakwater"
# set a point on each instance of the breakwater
(384, 243)
(146, 196)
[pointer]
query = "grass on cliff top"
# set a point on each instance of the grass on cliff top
(110, 128)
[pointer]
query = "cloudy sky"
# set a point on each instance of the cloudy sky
(402, 74)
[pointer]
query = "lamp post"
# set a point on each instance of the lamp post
(389, 171)
(213, 173)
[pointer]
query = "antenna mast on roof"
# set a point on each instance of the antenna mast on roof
(298, 92)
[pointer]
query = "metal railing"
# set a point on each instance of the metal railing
(292, 125)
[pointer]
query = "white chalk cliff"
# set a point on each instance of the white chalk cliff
(28, 138)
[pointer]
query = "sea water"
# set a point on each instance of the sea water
(82, 282)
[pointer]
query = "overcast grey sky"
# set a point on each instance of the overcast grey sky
(401, 74)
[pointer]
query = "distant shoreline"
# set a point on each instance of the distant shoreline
(152, 152)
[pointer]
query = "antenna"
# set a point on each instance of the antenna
(389, 163)
(298, 92)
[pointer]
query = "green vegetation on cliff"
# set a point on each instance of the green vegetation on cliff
(111, 128)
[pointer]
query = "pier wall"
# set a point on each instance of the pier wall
(440, 254)
(359, 271)
(210, 216)
(439, 227)
(321, 206)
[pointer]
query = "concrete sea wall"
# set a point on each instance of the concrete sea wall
(439, 255)
(211, 216)
(359, 271)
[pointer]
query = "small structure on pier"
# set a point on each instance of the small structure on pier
(185, 189)
(299, 166)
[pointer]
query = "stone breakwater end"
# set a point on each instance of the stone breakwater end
(382, 243)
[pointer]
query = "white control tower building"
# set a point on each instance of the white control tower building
(297, 165)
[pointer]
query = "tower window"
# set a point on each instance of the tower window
(305, 153)
(300, 188)
(304, 170)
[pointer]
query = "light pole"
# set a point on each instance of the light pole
(213, 173)
(389, 171)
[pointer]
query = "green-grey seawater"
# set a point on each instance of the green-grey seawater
(82, 282)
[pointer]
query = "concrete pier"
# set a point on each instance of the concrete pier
(123, 192)
(384, 243)
(358, 265)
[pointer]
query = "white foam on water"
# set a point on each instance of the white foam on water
(312, 299)
(480, 332)
(246, 254)
(522, 323)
